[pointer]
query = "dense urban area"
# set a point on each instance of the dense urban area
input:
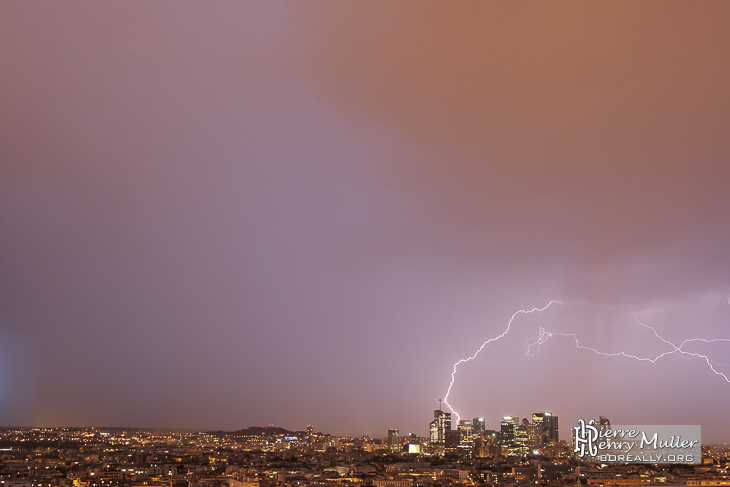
(521, 452)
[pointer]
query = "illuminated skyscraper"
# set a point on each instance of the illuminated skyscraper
(438, 427)
(466, 440)
(549, 423)
(537, 420)
(528, 435)
(394, 441)
(477, 426)
(507, 428)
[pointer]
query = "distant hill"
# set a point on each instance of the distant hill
(259, 431)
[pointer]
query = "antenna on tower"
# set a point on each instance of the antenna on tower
(440, 401)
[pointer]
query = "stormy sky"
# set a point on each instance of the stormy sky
(217, 215)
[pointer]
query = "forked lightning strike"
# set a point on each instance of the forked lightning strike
(544, 336)
(678, 349)
(509, 325)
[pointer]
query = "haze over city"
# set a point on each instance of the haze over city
(221, 215)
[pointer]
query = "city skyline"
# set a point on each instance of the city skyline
(338, 214)
(92, 457)
(546, 420)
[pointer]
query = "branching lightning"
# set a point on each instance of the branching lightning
(534, 345)
(681, 351)
(509, 326)
(544, 336)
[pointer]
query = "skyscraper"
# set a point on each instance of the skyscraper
(507, 428)
(477, 426)
(466, 440)
(549, 424)
(528, 435)
(394, 441)
(438, 427)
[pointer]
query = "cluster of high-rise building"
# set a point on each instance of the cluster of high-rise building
(514, 438)
(276, 457)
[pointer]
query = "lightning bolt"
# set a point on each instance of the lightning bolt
(472, 357)
(544, 336)
(679, 349)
